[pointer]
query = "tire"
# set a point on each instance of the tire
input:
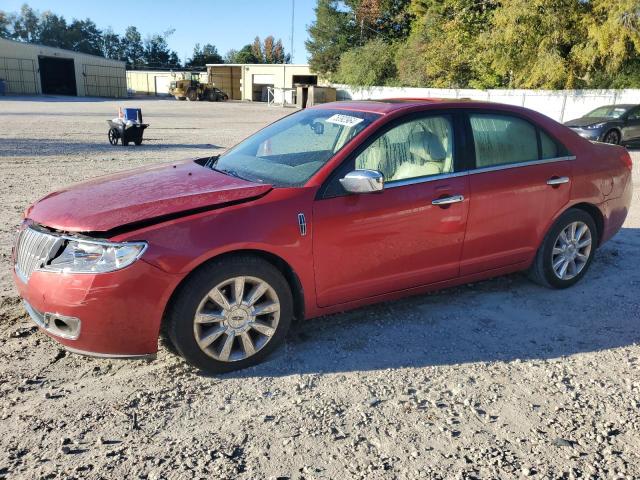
(192, 95)
(203, 344)
(612, 137)
(138, 142)
(113, 136)
(211, 96)
(554, 251)
(180, 98)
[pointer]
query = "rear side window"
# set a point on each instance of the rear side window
(549, 148)
(502, 139)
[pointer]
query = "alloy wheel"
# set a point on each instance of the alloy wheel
(612, 137)
(571, 250)
(237, 318)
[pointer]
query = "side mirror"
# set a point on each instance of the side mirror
(363, 181)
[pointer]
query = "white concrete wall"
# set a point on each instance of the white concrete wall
(561, 105)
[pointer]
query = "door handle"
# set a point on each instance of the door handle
(447, 200)
(557, 180)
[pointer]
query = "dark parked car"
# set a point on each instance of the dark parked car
(616, 124)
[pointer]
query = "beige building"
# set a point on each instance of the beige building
(261, 82)
(29, 69)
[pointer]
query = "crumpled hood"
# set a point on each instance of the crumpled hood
(139, 195)
(586, 121)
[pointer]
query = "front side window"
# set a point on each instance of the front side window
(288, 152)
(417, 148)
(502, 139)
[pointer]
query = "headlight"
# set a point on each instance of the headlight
(593, 127)
(88, 256)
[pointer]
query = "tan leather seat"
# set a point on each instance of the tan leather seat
(428, 156)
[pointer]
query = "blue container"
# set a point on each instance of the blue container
(133, 114)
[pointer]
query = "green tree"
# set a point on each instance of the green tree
(202, 56)
(443, 48)
(610, 55)
(26, 25)
(112, 45)
(5, 22)
(157, 52)
(333, 32)
(52, 31)
(369, 65)
(84, 36)
(532, 43)
(133, 47)
(244, 55)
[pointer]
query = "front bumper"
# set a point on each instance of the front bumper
(589, 134)
(118, 314)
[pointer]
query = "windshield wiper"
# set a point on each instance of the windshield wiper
(211, 161)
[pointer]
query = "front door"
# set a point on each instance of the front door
(631, 129)
(408, 235)
(521, 181)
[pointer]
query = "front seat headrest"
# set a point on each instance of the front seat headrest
(427, 147)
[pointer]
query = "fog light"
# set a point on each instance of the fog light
(54, 323)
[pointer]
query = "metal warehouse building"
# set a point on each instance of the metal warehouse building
(252, 81)
(29, 69)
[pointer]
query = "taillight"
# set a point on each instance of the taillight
(626, 158)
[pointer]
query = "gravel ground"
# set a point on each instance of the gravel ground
(500, 379)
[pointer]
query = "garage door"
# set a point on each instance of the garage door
(162, 85)
(263, 79)
(19, 75)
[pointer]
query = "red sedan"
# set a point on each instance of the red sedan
(328, 209)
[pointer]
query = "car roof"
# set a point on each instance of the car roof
(388, 105)
(618, 105)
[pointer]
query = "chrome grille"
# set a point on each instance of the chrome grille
(33, 248)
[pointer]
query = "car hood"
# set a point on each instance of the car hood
(586, 121)
(141, 195)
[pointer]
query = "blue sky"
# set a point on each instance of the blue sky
(226, 24)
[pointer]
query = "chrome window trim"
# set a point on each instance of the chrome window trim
(430, 178)
(506, 166)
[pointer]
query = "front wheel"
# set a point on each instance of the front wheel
(612, 137)
(114, 136)
(230, 314)
(566, 252)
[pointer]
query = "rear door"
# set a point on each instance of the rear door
(407, 235)
(522, 178)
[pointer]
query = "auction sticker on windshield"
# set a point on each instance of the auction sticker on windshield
(346, 120)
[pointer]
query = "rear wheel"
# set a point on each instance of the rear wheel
(612, 137)
(180, 98)
(566, 252)
(230, 314)
(212, 96)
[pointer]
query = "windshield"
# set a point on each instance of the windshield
(610, 111)
(288, 152)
